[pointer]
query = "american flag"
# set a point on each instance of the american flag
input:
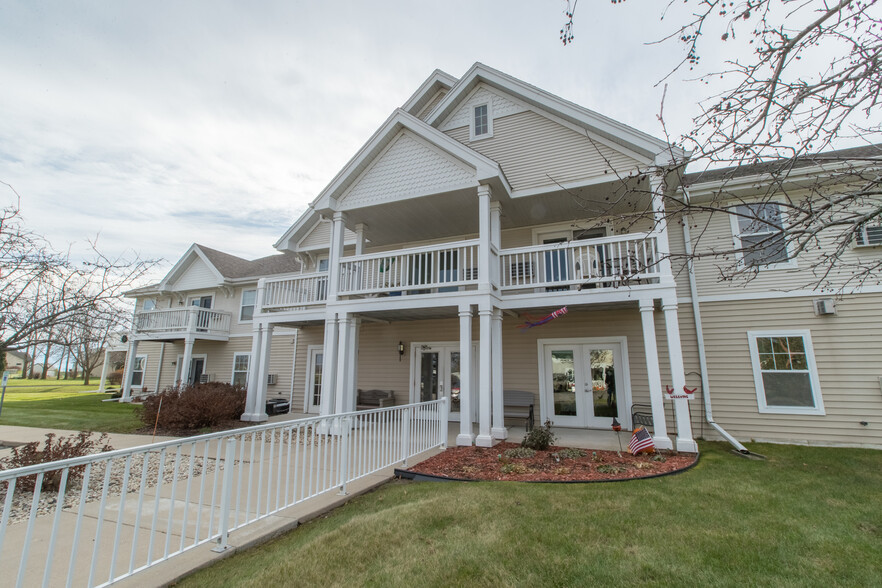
(640, 441)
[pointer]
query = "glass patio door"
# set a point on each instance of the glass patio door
(582, 384)
(437, 373)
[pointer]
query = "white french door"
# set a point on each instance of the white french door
(313, 392)
(585, 383)
(435, 373)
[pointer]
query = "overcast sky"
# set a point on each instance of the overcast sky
(157, 124)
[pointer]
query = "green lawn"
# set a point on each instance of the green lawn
(65, 405)
(804, 517)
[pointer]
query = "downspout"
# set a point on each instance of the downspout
(699, 333)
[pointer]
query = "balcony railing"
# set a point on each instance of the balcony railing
(606, 261)
(297, 291)
(191, 319)
(442, 268)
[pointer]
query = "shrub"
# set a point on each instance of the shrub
(519, 453)
(54, 449)
(539, 438)
(569, 453)
(609, 468)
(115, 377)
(515, 468)
(194, 407)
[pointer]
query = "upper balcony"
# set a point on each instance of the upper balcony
(180, 323)
(602, 263)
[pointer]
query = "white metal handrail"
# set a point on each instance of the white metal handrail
(295, 291)
(603, 261)
(449, 265)
(181, 320)
(123, 511)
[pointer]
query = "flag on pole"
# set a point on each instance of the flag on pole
(641, 441)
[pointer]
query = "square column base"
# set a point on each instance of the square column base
(464, 440)
(254, 417)
(484, 441)
(662, 442)
(687, 445)
(500, 433)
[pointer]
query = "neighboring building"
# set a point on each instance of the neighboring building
(15, 361)
(468, 212)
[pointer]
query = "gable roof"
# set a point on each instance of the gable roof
(624, 135)
(485, 168)
(439, 80)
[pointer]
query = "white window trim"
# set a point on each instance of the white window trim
(143, 371)
(862, 231)
(144, 304)
(489, 133)
(736, 236)
(233, 369)
(242, 300)
(818, 409)
(190, 299)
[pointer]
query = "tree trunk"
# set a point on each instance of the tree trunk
(67, 363)
(86, 364)
(46, 361)
(2, 358)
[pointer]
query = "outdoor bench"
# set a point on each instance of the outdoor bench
(368, 399)
(641, 414)
(518, 404)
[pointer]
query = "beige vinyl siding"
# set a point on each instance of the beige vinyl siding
(718, 236)
(427, 109)
(197, 275)
(848, 354)
(319, 236)
(530, 147)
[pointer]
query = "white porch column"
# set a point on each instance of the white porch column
(130, 367)
(104, 369)
(254, 363)
(465, 436)
(685, 442)
(660, 426)
(188, 359)
(266, 344)
(334, 255)
(359, 238)
(329, 366)
(495, 242)
(344, 364)
(660, 228)
(499, 431)
(484, 254)
(484, 438)
(352, 356)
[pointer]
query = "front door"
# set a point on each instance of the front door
(196, 369)
(437, 375)
(586, 384)
(314, 381)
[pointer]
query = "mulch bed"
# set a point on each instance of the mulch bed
(490, 463)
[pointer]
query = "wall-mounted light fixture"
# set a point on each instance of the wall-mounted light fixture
(400, 350)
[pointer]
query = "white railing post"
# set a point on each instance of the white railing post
(343, 426)
(226, 496)
(443, 415)
(406, 415)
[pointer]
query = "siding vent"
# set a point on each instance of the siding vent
(824, 306)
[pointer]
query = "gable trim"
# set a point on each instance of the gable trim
(179, 268)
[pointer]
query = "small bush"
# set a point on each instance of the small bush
(609, 468)
(54, 449)
(539, 438)
(569, 453)
(658, 457)
(194, 407)
(115, 377)
(514, 468)
(519, 453)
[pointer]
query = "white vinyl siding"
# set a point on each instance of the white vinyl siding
(784, 371)
(198, 275)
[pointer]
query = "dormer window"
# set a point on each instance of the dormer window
(482, 124)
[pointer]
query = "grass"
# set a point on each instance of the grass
(804, 517)
(64, 404)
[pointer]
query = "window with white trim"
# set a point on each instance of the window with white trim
(246, 311)
(138, 371)
(868, 235)
(784, 372)
(241, 363)
(482, 122)
(149, 304)
(760, 235)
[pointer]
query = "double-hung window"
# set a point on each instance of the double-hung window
(482, 122)
(246, 312)
(138, 371)
(784, 372)
(241, 362)
(760, 235)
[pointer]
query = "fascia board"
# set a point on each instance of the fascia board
(438, 77)
(301, 225)
(644, 143)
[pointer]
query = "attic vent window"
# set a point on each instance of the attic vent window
(482, 125)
